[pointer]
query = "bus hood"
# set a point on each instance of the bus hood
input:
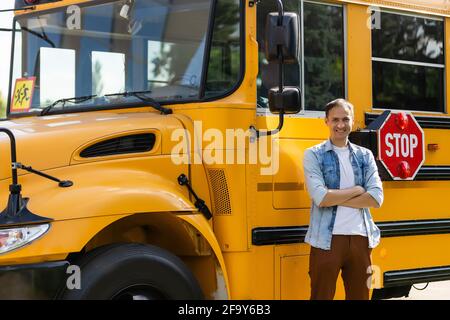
(49, 142)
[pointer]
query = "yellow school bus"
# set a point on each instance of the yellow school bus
(136, 161)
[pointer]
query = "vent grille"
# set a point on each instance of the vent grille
(121, 145)
(222, 205)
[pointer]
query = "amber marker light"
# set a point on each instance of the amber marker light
(433, 147)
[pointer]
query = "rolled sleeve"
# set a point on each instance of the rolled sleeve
(373, 183)
(315, 183)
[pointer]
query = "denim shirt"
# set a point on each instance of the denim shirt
(321, 166)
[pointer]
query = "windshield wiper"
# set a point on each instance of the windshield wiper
(75, 100)
(138, 94)
(37, 34)
(19, 9)
(42, 35)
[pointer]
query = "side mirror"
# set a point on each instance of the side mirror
(282, 38)
(282, 32)
(287, 101)
(282, 46)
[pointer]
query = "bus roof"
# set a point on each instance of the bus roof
(435, 7)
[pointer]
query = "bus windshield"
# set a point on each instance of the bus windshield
(97, 51)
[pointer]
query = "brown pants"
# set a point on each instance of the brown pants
(351, 254)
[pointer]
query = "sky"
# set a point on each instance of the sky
(5, 44)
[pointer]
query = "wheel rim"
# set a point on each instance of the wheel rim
(139, 292)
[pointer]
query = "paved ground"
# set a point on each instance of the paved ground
(434, 291)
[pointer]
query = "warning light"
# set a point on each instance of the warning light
(401, 120)
(403, 169)
(31, 1)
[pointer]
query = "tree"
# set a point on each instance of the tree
(2, 106)
(97, 83)
(405, 86)
(323, 55)
(323, 59)
(224, 61)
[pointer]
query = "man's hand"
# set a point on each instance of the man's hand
(336, 197)
(359, 190)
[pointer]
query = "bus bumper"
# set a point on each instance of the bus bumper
(32, 281)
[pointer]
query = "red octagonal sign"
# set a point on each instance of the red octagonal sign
(401, 146)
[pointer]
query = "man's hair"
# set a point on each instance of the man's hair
(338, 103)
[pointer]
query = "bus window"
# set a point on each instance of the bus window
(225, 60)
(158, 68)
(323, 54)
(408, 63)
(322, 57)
(174, 64)
(108, 72)
(57, 74)
(5, 37)
(111, 47)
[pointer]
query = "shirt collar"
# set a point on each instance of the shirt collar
(329, 146)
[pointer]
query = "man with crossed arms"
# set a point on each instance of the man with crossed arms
(342, 180)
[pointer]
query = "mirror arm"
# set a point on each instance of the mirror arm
(259, 133)
(12, 140)
(280, 49)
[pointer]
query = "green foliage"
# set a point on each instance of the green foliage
(408, 87)
(224, 61)
(2, 106)
(97, 83)
(323, 55)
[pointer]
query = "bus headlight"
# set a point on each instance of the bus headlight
(15, 238)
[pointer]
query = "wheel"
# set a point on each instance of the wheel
(133, 272)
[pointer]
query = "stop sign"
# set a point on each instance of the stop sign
(401, 146)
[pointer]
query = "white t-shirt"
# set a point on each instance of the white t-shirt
(349, 221)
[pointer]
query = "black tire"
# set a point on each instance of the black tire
(133, 271)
